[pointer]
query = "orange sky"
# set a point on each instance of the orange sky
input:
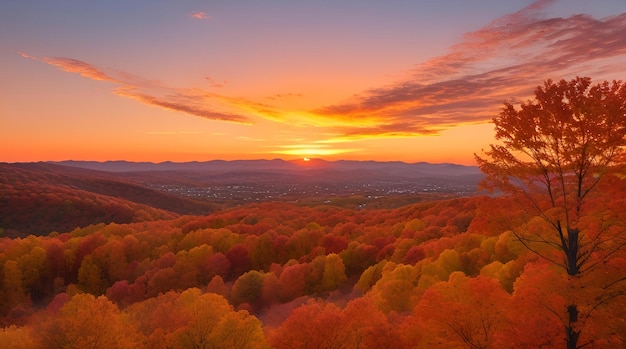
(192, 80)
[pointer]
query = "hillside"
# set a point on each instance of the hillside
(36, 198)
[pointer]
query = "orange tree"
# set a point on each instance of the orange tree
(554, 154)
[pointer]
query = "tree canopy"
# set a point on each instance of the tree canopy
(554, 153)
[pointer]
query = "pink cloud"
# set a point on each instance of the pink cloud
(24, 55)
(199, 15)
(75, 66)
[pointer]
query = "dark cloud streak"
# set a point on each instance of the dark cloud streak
(180, 106)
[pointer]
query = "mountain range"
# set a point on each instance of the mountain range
(394, 168)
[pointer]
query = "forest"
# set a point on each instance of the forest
(537, 260)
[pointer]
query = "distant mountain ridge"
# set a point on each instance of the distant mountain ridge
(395, 168)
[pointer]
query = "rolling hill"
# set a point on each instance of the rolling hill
(36, 198)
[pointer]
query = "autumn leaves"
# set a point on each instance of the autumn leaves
(447, 274)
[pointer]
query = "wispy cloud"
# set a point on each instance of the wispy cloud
(198, 15)
(192, 101)
(506, 59)
(24, 55)
(189, 103)
(75, 66)
(214, 83)
(284, 95)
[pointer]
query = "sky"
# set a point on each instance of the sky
(194, 80)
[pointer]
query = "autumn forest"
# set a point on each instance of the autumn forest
(535, 258)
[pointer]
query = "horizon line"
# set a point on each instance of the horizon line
(295, 159)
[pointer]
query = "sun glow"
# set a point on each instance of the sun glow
(306, 159)
(311, 150)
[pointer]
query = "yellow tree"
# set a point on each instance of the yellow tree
(13, 287)
(238, 329)
(88, 322)
(193, 319)
(213, 323)
(553, 156)
(334, 273)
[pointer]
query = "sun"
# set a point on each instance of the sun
(306, 159)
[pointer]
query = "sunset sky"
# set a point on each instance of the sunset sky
(183, 80)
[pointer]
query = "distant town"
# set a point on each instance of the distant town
(228, 183)
(258, 192)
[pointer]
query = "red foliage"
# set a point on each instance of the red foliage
(239, 259)
(334, 244)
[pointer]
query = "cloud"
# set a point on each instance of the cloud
(154, 93)
(75, 66)
(214, 83)
(284, 95)
(198, 15)
(506, 59)
(24, 55)
(181, 103)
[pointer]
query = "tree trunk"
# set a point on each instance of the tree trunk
(572, 269)
(570, 332)
(571, 251)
